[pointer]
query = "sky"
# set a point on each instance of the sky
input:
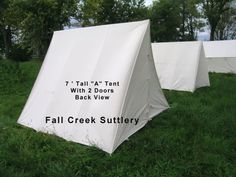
(148, 2)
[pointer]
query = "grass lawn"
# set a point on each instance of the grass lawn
(196, 137)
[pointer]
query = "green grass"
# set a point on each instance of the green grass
(195, 138)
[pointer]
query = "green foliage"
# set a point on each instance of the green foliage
(37, 19)
(6, 31)
(1, 44)
(165, 20)
(196, 137)
(173, 20)
(29, 24)
(190, 19)
(122, 11)
(97, 12)
(18, 53)
(89, 12)
(10, 76)
(1, 55)
(134, 10)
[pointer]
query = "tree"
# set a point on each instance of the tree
(190, 19)
(175, 20)
(37, 19)
(213, 11)
(132, 10)
(165, 20)
(226, 28)
(5, 28)
(89, 12)
(108, 12)
(97, 12)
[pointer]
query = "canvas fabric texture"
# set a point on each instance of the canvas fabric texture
(117, 52)
(221, 56)
(181, 66)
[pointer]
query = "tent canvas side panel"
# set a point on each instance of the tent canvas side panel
(157, 100)
(101, 53)
(202, 73)
(220, 49)
(45, 84)
(222, 65)
(144, 98)
(221, 56)
(177, 65)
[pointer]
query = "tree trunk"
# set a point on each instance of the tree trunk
(192, 37)
(212, 34)
(221, 34)
(6, 31)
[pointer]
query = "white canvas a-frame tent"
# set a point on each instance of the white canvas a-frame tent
(118, 53)
(221, 56)
(181, 65)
